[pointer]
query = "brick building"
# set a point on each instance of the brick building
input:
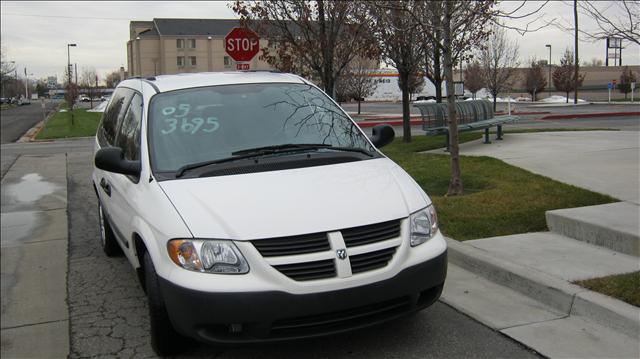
(170, 46)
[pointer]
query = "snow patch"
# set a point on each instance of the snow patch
(99, 108)
(560, 99)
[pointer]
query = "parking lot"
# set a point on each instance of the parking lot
(108, 313)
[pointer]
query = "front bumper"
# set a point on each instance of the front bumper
(248, 317)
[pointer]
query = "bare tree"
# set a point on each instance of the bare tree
(454, 27)
(88, 77)
(619, 18)
(626, 78)
(595, 62)
(415, 84)
(463, 26)
(499, 61)
(535, 80)
(468, 38)
(71, 96)
(7, 71)
(356, 82)
(473, 78)
(400, 43)
(112, 79)
(322, 36)
(563, 75)
(89, 82)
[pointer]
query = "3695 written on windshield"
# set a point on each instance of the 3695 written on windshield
(176, 119)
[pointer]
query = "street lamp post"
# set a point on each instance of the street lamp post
(69, 62)
(549, 46)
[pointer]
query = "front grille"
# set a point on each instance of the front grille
(308, 270)
(371, 260)
(286, 246)
(344, 319)
(372, 233)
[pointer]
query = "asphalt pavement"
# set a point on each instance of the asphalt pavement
(14, 122)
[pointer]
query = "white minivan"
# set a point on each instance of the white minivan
(254, 209)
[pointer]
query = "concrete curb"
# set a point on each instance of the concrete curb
(31, 134)
(554, 292)
(590, 115)
(599, 225)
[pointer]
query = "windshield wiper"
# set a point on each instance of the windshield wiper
(280, 148)
(267, 150)
(289, 147)
(248, 153)
(180, 172)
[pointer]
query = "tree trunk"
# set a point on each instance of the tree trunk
(567, 96)
(455, 186)
(575, 44)
(358, 106)
(406, 118)
(437, 74)
(495, 95)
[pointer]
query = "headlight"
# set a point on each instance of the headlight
(424, 225)
(207, 256)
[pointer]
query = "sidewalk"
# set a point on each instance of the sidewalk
(522, 285)
(34, 258)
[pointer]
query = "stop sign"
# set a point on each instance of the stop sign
(242, 44)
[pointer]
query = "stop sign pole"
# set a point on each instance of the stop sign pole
(242, 45)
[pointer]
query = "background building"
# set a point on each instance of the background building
(171, 46)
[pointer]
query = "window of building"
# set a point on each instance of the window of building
(227, 61)
(180, 43)
(192, 61)
(180, 61)
(191, 43)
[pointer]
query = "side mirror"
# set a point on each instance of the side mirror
(111, 159)
(382, 135)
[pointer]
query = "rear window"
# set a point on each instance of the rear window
(203, 124)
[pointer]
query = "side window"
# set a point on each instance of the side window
(111, 115)
(129, 134)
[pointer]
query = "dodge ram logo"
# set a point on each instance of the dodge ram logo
(341, 253)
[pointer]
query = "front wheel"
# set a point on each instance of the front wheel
(165, 341)
(107, 237)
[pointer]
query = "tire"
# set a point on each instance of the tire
(108, 239)
(165, 341)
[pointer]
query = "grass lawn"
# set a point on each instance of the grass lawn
(625, 287)
(499, 199)
(59, 125)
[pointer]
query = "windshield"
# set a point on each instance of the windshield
(207, 124)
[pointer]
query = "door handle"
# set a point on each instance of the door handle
(106, 187)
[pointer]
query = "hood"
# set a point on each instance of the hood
(296, 201)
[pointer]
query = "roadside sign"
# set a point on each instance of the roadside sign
(242, 44)
(242, 66)
(610, 86)
(633, 85)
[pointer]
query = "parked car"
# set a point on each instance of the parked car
(83, 98)
(254, 209)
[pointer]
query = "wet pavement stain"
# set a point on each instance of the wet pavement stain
(17, 226)
(30, 188)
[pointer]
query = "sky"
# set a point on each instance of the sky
(35, 34)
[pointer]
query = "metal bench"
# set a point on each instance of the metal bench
(472, 115)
